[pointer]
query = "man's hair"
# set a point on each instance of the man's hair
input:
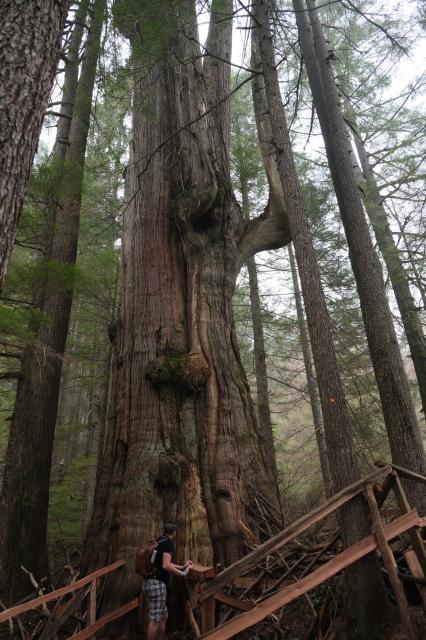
(169, 528)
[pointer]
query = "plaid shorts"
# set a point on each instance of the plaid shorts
(155, 593)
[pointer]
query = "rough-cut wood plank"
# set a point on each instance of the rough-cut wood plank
(91, 609)
(232, 601)
(266, 583)
(383, 493)
(295, 529)
(328, 570)
(54, 595)
(88, 632)
(61, 616)
(208, 617)
(414, 535)
(389, 562)
(416, 570)
(405, 473)
(201, 571)
(192, 620)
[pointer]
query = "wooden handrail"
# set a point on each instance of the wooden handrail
(309, 582)
(55, 595)
(210, 590)
(290, 532)
(410, 475)
(90, 631)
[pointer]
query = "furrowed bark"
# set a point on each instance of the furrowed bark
(29, 452)
(364, 586)
(397, 405)
(30, 41)
(311, 380)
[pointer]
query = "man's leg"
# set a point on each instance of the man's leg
(163, 624)
(154, 631)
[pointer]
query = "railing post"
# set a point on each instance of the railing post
(389, 562)
(208, 618)
(91, 609)
(414, 534)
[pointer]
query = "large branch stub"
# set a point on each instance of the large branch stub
(187, 370)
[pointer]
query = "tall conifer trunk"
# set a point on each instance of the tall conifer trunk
(30, 41)
(69, 91)
(397, 405)
(410, 314)
(364, 591)
(29, 451)
(261, 372)
(311, 380)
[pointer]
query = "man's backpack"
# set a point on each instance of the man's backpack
(145, 558)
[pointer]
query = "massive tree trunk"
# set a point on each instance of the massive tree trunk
(28, 457)
(410, 314)
(30, 41)
(311, 380)
(366, 599)
(397, 405)
(183, 441)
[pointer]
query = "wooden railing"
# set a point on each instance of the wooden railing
(376, 487)
(89, 581)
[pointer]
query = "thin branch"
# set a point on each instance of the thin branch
(375, 24)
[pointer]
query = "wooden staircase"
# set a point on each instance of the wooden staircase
(206, 588)
(376, 487)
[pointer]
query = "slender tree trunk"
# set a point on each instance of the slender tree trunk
(364, 588)
(310, 377)
(69, 91)
(397, 405)
(97, 424)
(182, 436)
(262, 390)
(30, 41)
(70, 85)
(29, 452)
(410, 314)
(95, 432)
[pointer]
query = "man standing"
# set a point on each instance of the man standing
(155, 587)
